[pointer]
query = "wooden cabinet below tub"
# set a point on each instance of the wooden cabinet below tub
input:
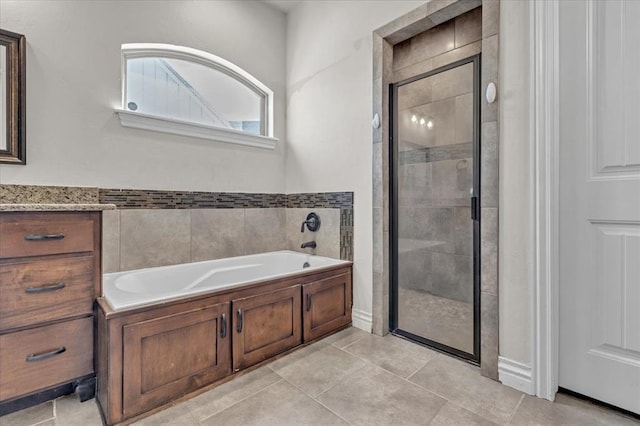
(327, 305)
(166, 357)
(265, 325)
(153, 354)
(50, 275)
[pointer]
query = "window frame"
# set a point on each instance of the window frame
(188, 128)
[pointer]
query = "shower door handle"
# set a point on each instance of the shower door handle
(474, 208)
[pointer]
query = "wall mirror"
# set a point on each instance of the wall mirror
(12, 98)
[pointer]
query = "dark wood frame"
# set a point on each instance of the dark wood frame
(16, 152)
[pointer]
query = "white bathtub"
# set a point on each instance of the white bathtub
(143, 286)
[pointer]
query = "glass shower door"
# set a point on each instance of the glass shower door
(435, 230)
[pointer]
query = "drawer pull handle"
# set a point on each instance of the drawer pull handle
(44, 288)
(32, 237)
(239, 325)
(308, 302)
(45, 355)
(223, 327)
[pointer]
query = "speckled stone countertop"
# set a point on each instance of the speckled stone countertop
(54, 207)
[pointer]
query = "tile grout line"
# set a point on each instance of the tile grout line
(237, 402)
(515, 410)
(315, 400)
(45, 421)
(418, 369)
(345, 347)
(343, 378)
(55, 412)
(398, 376)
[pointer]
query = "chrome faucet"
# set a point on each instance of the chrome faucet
(309, 244)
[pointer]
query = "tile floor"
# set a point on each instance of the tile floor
(350, 378)
(437, 318)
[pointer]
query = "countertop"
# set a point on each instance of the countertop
(55, 207)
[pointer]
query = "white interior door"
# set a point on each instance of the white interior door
(600, 200)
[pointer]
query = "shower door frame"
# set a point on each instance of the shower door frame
(474, 211)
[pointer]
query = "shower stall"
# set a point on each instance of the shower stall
(435, 222)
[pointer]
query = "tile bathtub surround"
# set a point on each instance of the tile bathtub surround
(214, 217)
(349, 378)
(325, 237)
(141, 238)
(37, 194)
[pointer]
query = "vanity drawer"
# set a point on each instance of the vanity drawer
(39, 358)
(43, 237)
(44, 290)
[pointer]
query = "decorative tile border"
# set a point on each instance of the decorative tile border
(38, 194)
(321, 200)
(346, 233)
(154, 199)
(157, 199)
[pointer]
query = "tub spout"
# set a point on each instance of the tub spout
(309, 244)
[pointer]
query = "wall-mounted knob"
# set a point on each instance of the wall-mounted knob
(312, 222)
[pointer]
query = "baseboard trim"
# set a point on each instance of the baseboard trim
(362, 320)
(515, 375)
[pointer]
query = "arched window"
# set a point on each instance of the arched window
(189, 92)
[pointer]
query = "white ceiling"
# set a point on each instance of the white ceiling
(283, 5)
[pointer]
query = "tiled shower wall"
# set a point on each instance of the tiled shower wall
(157, 228)
(449, 30)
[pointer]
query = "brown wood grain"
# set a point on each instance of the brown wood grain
(31, 319)
(167, 357)
(18, 308)
(329, 303)
(78, 237)
(271, 323)
(111, 325)
(20, 377)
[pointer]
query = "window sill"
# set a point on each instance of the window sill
(139, 120)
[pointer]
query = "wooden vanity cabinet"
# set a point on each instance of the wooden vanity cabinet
(167, 357)
(265, 325)
(326, 305)
(50, 275)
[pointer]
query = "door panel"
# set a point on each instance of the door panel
(436, 227)
(600, 201)
(327, 305)
(169, 356)
(265, 325)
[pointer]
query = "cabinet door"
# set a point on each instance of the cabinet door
(327, 305)
(265, 325)
(170, 356)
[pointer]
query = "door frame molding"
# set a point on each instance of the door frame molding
(545, 158)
